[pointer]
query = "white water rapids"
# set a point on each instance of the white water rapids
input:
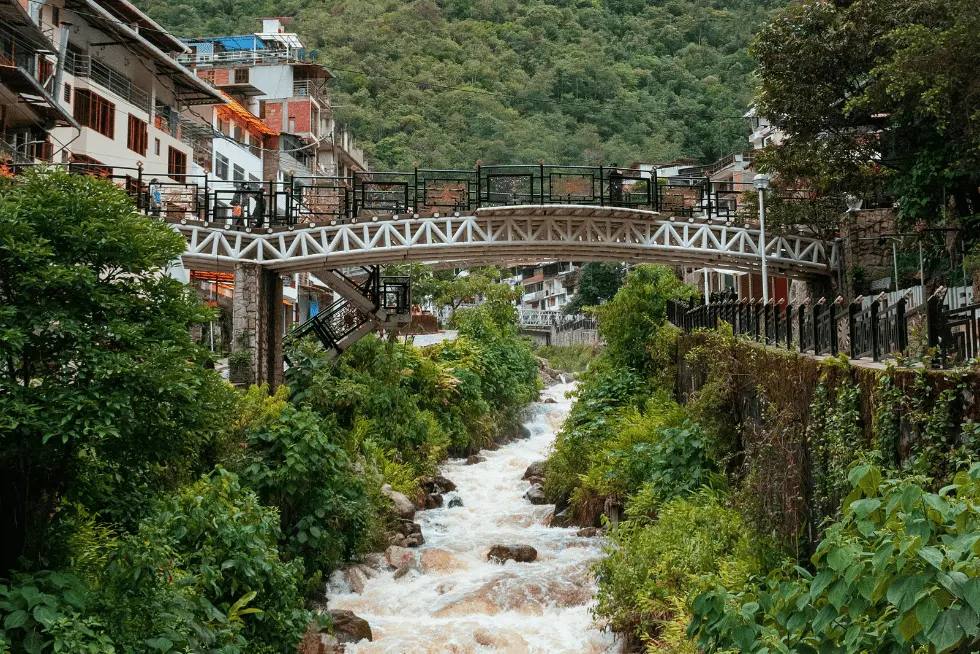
(459, 602)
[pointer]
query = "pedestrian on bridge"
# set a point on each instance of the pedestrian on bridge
(616, 185)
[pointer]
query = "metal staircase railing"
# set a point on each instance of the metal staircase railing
(368, 301)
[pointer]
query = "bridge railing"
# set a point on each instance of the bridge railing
(876, 331)
(333, 199)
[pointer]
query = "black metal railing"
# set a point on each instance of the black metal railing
(373, 194)
(876, 332)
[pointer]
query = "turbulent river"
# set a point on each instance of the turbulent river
(458, 601)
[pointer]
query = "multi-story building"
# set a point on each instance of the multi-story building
(29, 67)
(272, 76)
(123, 87)
(546, 286)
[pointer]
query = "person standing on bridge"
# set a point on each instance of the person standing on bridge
(616, 185)
(258, 209)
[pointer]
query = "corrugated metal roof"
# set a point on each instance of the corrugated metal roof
(246, 42)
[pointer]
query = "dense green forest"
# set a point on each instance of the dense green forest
(446, 83)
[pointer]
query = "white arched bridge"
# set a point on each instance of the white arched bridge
(506, 235)
(344, 229)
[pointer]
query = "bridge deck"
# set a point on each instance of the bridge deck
(506, 235)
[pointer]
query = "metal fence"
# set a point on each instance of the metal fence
(876, 330)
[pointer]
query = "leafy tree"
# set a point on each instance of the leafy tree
(597, 282)
(631, 320)
(876, 96)
(101, 402)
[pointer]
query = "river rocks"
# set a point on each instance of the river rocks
(474, 459)
(589, 532)
(500, 641)
(399, 557)
(353, 576)
(405, 569)
(536, 480)
(396, 538)
(535, 495)
(548, 375)
(318, 642)
(519, 553)
(433, 501)
(455, 502)
(439, 560)
(410, 532)
(415, 540)
(438, 484)
(403, 506)
(536, 469)
(349, 628)
(550, 400)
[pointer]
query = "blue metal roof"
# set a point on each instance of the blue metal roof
(247, 42)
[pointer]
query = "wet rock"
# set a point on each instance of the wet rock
(415, 540)
(403, 506)
(396, 539)
(536, 469)
(588, 532)
(399, 557)
(519, 553)
(550, 400)
(523, 432)
(561, 518)
(536, 480)
(375, 561)
(501, 641)
(405, 569)
(535, 495)
(455, 501)
(316, 641)
(349, 628)
(355, 576)
(408, 528)
(439, 484)
(433, 501)
(439, 560)
(474, 459)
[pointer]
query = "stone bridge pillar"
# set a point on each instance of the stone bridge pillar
(257, 321)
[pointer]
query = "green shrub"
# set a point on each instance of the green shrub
(204, 573)
(654, 564)
(900, 572)
(295, 465)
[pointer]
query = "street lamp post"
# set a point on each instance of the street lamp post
(761, 183)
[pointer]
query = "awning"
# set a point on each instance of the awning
(233, 110)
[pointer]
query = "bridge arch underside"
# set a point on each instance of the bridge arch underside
(509, 236)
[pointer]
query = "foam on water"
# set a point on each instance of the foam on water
(460, 602)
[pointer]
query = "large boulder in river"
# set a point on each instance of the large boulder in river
(349, 628)
(535, 495)
(439, 484)
(523, 432)
(474, 459)
(399, 557)
(519, 553)
(536, 469)
(404, 508)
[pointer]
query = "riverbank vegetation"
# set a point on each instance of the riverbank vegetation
(148, 506)
(786, 504)
(569, 358)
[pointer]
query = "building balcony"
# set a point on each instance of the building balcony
(87, 67)
(308, 88)
(234, 58)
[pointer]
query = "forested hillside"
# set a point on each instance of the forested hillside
(445, 83)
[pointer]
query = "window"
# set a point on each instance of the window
(253, 178)
(241, 76)
(156, 147)
(95, 112)
(221, 165)
(176, 163)
(292, 125)
(239, 173)
(138, 136)
(68, 93)
(239, 134)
